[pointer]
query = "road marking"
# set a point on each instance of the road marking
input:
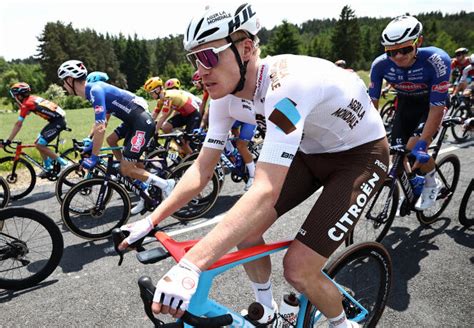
(219, 217)
(453, 148)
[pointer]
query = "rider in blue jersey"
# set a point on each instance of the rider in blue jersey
(244, 133)
(137, 128)
(421, 78)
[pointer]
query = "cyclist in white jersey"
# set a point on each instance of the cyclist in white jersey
(322, 130)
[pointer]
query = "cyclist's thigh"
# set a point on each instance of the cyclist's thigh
(137, 139)
(121, 131)
(408, 117)
(193, 121)
(299, 184)
(350, 178)
(52, 129)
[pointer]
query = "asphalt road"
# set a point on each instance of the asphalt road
(432, 286)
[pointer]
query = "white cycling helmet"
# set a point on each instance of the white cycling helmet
(400, 30)
(219, 22)
(72, 68)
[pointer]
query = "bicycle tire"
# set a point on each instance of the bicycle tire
(387, 114)
(4, 193)
(66, 180)
(459, 134)
(199, 206)
(350, 263)
(466, 219)
(430, 215)
(16, 190)
(367, 227)
(32, 236)
(88, 224)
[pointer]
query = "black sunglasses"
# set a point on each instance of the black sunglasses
(403, 51)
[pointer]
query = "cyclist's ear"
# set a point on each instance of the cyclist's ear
(420, 41)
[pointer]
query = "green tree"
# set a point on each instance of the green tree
(346, 38)
(284, 40)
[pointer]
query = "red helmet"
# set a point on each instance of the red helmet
(20, 88)
(196, 77)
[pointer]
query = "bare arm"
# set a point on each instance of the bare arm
(432, 124)
(98, 139)
(254, 212)
(192, 182)
(162, 119)
(16, 128)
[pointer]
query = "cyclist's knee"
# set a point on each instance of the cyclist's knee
(126, 167)
(112, 140)
(303, 269)
(167, 128)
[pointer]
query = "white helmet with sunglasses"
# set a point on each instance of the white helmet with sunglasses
(219, 22)
(400, 30)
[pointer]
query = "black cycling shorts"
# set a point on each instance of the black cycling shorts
(410, 117)
(191, 121)
(138, 136)
(349, 178)
(53, 128)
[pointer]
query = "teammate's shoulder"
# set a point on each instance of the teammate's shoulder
(432, 52)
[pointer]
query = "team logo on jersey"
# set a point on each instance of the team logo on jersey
(410, 86)
(138, 141)
(440, 67)
(285, 115)
(98, 109)
(441, 88)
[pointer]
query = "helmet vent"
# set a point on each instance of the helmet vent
(207, 33)
(198, 27)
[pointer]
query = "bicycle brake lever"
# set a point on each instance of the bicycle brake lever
(118, 236)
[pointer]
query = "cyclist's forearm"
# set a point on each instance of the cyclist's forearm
(188, 187)
(98, 139)
(432, 124)
(253, 214)
(15, 130)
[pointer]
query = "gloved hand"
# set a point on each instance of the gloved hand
(87, 141)
(420, 151)
(90, 162)
(137, 229)
(87, 146)
(197, 131)
(178, 285)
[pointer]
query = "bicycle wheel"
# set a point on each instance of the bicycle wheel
(202, 203)
(73, 175)
(365, 272)
(31, 247)
(378, 215)
(80, 215)
(466, 212)
(459, 134)
(388, 114)
(4, 193)
(447, 172)
(21, 176)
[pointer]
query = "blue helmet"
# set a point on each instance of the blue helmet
(96, 77)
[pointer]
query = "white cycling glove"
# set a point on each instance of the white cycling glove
(178, 285)
(137, 229)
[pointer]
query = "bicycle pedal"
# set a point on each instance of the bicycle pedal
(152, 255)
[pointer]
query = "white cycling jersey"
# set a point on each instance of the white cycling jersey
(308, 103)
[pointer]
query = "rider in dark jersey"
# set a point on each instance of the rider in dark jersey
(45, 109)
(138, 126)
(421, 78)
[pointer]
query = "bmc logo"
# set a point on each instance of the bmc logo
(215, 141)
(138, 141)
(286, 155)
(241, 18)
(441, 88)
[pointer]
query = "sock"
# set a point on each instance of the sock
(263, 293)
(430, 180)
(340, 321)
(61, 161)
(157, 181)
(251, 169)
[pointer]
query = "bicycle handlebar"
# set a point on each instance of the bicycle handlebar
(6, 147)
(147, 291)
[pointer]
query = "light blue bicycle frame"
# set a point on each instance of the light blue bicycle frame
(203, 306)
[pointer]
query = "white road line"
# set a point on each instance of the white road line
(219, 217)
(453, 148)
